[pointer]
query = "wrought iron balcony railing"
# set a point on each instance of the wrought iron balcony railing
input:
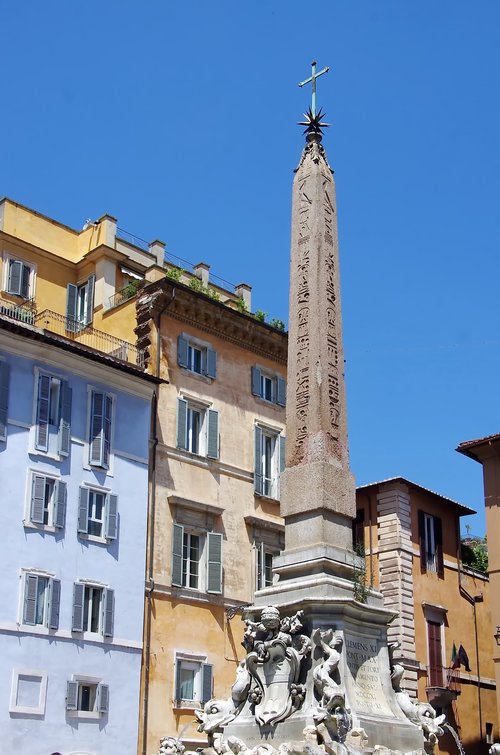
(127, 292)
(89, 336)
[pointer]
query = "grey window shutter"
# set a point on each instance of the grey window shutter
(206, 682)
(281, 391)
(15, 276)
(71, 307)
(256, 381)
(111, 517)
(177, 543)
(178, 692)
(42, 414)
(258, 461)
(97, 429)
(55, 600)
(282, 453)
(37, 498)
(214, 562)
(103, 698)
(25, 282)
(83, 510)
(78, 596)
(59, 504)
(65, 419)
(213, 434)
(72, 696)
(259, 552)
(30, 590)
(182, 406)
(4, 398)
(108, 413)
(211, 366)
(182, 351)
(89, 309)
(108, 612)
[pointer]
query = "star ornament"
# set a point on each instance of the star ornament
(313, 123)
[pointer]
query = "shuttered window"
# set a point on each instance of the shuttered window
(87, 697)
(4, 398)
(197, 428)
(79, 305)
(269, 461)
(100, 429)
(19, 277)
(268, 386)
(53, 415)
(430, 533)
(41, 600)
(196, 559)
(193, 681)
(196, 357)
(93, 609)
(97, 513)
(47, 501)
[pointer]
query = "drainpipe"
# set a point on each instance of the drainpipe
(474, 600)
(151, 529)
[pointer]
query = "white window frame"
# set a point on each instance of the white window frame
(105, 537)
(42, 628)
(53, 431)
(54, 477)
(7, 259)
(20, 673)
(203, 408)
(91, 584)
(262, 376)
(109, 470)
(189, 659)
(261, 552)
(81, 680)
(202, 554)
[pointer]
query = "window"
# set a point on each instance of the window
(193, 681)
(19, 278)
(98, 513)
(53, 415)
(268, 386)
(197, 559)
(79, 305)
(434, 640)
(196, 356)
(101, 412)
(28, 691)
(41, 599)
(47, 501)
(93, 609)
(197, 428)
(4, 398)
(88, 696)
(431, 543)
(264, 576)
(489, 733)
(269, 461)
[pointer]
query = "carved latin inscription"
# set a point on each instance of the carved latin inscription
(366, 687)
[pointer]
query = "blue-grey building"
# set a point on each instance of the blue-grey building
(74, 439)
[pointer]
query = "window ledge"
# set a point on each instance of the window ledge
(265, 524)
(186, 503)
(196, 375)
(94, 538)
(269, 498)
(266, 402)
(41, 527)
(186, 705)
(88, 715)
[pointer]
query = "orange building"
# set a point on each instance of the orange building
(411, 538)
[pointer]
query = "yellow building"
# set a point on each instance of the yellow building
(411, 537)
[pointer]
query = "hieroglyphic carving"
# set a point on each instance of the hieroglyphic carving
(328, 211)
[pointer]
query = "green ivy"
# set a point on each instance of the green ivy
(278, 324)
(260, 315)
(174, 273)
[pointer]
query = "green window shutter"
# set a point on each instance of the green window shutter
(282, 460)
(182, 351)
(30, 592)
(178, 693)
(25, 282)
(96, 451)
(15, 277)
(207, 674)
(422, 541)
(256, 381)
(37, 498)
(71, 307)
(438, 536)
(103, 698)
(89, 309)
(281, 391)
(213, 434)
(72, 696)
(111, 529)
(60, 504)
(42, 414)
(65, 419)
(77, 618)
(258, 482)
(177, 543)
(108, 612)
(83, 510)
(214, 562)
(182, 406)
(211, 364)
(55, 599)
(4, 398)
(259, 566)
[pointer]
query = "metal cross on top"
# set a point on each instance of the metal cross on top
(312, 80)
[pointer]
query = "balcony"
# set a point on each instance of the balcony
(89, 336)
(126, 293)
(25, 312)
(443, 686)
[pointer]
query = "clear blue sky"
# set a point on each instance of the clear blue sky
(179, 119)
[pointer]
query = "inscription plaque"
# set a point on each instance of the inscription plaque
(364, 682)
